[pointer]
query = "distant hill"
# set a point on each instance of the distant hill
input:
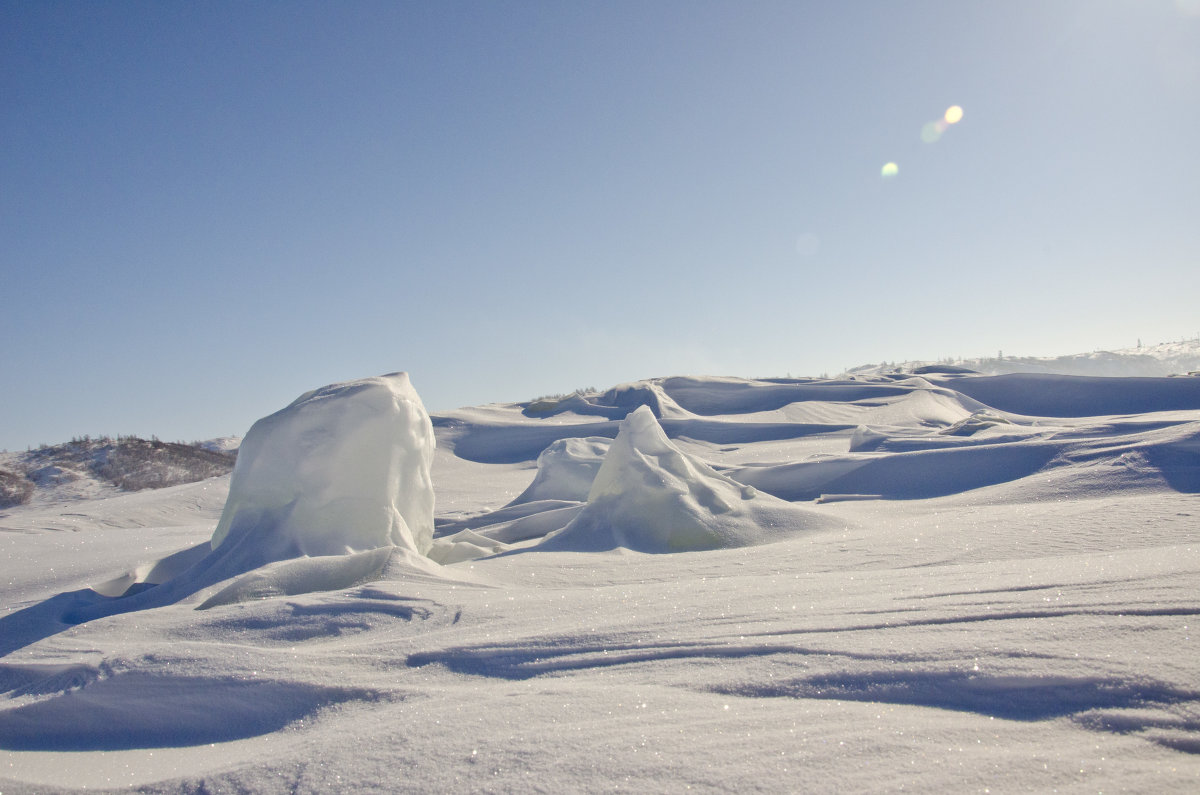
(1168, 358)
(84, 467)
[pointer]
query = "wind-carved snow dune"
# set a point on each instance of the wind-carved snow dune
(329, 492)
(343, 469)
(901, 437)
(716, 410)
(1042, 395)
(1088, 435)
(566, 469)
(650, 496)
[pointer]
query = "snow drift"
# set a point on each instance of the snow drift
(344, 468)
(650, 496)
(566, 469)
(329, 492)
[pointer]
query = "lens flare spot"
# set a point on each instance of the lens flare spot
(953, 114)
(889, 170)
(931, 132)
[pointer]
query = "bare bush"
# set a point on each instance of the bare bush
(15, 489)
(130, 463)
(136, 464)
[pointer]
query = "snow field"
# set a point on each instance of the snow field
(1016, 612)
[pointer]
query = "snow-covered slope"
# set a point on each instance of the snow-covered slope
(1167, 358)
(92, 467)
(975, 583)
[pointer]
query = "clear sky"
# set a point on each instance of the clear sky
(208, 208)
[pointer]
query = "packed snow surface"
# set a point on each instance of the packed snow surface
(938, 581)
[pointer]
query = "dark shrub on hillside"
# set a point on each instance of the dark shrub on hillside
(130, 463)
(15, 489)
(135, 464)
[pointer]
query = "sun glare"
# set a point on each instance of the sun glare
(931, 131)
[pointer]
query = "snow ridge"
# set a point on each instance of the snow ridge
(1164, 359)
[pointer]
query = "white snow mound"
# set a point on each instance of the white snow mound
(343, 469)
(566, 469)
(650, 496)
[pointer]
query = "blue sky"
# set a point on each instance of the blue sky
(208, 208)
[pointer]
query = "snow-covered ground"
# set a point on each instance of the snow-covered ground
(970, 583)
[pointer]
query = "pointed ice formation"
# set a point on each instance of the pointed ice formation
(652, 497)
